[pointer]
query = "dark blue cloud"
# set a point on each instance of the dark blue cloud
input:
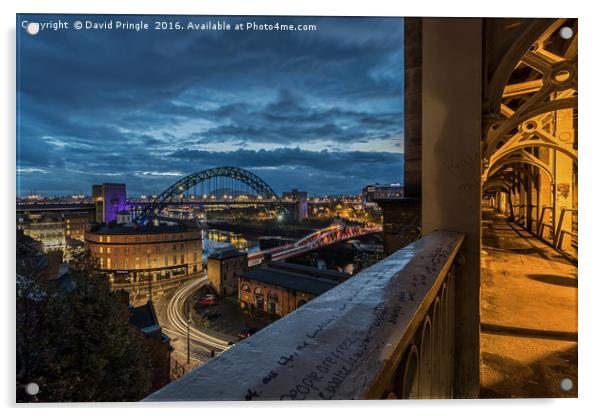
(304, 109)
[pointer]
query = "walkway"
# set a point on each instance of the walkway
(528, 314)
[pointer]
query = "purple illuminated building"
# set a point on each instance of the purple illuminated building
(110, 199)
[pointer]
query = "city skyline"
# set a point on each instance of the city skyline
(319, 110)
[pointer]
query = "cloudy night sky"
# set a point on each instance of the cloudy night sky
(320, 110)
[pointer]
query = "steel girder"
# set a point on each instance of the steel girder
(525, 118)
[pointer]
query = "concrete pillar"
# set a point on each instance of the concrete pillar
(545, 204)
(534, 198)
(563, 172)
(401, 218)
(412, 100)
(401, 223)
(523, 199)
(451, 168)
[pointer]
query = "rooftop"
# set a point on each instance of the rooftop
(226, 253)
(140, 229)
(309, 270)
(290, 280)
(144, 318)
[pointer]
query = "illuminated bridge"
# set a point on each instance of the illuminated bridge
(321, 238)
(222, 185)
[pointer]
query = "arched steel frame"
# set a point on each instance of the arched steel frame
(511, 134)
(175, 191)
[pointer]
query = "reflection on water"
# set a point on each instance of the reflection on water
(215, 239)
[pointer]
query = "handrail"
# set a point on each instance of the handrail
(541, 224)
(559, 234)
(386, 332)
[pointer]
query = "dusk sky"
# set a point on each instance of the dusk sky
(320, 110)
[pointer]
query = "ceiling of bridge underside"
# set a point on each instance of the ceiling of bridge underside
(530, 83)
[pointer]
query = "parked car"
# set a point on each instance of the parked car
(206, 302)
(246, 332)
(208, 296)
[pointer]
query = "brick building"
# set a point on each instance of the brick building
(223, 269)
(279, 288)
(76, 224)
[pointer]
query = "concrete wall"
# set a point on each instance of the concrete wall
(451, 167)
(412, 100)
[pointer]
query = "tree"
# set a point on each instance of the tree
(77, 343)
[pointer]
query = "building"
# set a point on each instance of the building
(146, 260)
(110, 200)
(76, 224)
(158, 345)
(374, 193)
(300, 211)
(279, 288)
(32, 262)
(48, 228)
(223, 269)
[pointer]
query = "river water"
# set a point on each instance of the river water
(214, 239)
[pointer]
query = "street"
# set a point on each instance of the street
(173, 317)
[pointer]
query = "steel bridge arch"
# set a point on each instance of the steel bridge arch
(187, 182)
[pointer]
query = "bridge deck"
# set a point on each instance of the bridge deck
(528, 314)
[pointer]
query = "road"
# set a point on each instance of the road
(172, 315)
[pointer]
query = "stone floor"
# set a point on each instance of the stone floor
(528, 314)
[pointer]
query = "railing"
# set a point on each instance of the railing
(387, 332)
(559, 234)
(542, 223)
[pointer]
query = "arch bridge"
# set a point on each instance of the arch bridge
(221, 185)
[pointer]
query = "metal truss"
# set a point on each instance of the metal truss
(530, 90)
(176, 191)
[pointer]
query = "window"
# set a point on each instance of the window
(182, 259)
(100, 250)
(108, 250)
(175, 260)
(108, 262)
(245, 288)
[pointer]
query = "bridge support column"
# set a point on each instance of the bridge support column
(401, 223)
(451, 169)
(563, 172)
(401, 217)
